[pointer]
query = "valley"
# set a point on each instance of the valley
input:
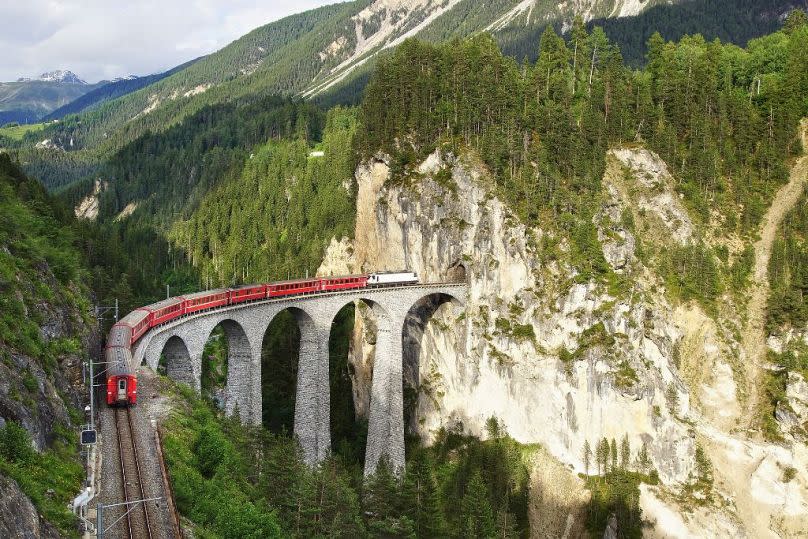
(619, 201)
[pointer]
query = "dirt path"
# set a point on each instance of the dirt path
(754, 337)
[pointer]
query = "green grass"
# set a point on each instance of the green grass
(17, 132)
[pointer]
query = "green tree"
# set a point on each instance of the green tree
(210, 448)
(476, 516)
(625, 453)
(587, 454)
(421, 497)
(382, 504)
(15, 443)
(613, 454)
(795, 20)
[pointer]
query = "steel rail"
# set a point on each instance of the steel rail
(123, 470)
(139, 480)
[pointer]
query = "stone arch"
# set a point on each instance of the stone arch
(279, 355)
(238, 395)
(178, 361)
(352, 340)
(312, 399)
(414, 326)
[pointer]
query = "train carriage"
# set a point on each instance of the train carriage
(165, 311)
(297, 286)
(121, 379)
(345, 282)
(119, 335)
(138, 322)
(209, 299)
(250, 292)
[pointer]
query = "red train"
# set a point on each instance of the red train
(121, 377)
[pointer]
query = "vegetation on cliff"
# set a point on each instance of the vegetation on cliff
(44, 325)
(723, 118)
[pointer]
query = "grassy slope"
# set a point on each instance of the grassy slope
(17, 132)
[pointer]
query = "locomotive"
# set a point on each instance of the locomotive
(121, 377)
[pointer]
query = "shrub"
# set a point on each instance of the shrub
(15, 443)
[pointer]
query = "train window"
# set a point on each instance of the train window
(121, 384)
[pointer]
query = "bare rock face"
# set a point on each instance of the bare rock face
(18, 516)
(562, 361)
(558, 363)
(36, 392)
(611, 528)
(793, 413)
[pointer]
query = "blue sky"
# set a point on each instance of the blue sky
(103, 39)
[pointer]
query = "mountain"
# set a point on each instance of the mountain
(328, 53)
(66, 77)
(113, 90)
(28, 100)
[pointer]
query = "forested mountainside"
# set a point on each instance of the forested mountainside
(631, 354)
(46, 331)
(329, 52)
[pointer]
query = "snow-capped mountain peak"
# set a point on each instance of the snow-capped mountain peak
(61, 76)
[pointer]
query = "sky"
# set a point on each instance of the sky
(103, 39)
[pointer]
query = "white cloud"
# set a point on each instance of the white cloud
(100, 39)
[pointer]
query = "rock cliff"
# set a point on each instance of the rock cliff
(562, 360)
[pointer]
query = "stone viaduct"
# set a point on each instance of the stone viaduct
(181, 343)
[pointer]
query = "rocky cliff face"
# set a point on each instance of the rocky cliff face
(18, 516)
(561, 360)
(41, 392)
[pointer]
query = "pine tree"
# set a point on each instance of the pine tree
(613, 454)
(643, 460)
(625, 453)
(587, 456)
(382, 504)
(476, 515)
(602, 456)
(421, 498)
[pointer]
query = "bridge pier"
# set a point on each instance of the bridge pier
(313, 403)
(386, 421)
(241, 373)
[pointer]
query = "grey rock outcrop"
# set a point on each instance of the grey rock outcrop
(18, 516)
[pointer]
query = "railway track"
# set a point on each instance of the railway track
(137, 522)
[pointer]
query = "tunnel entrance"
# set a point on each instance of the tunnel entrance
(456, 273)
